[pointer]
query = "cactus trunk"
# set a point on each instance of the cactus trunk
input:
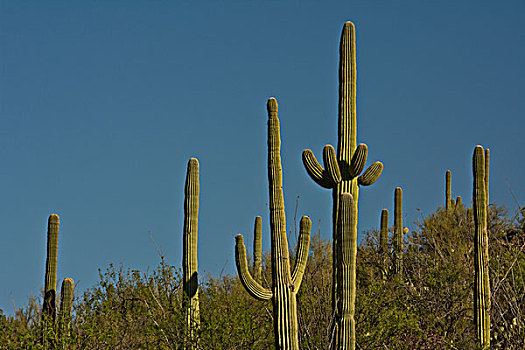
(189, 258)
(341, 171)
(285, 284)
(346, 269)
(481, 259)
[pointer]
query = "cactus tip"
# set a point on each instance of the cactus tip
(239, 239)
(54, 218)
(272, 105)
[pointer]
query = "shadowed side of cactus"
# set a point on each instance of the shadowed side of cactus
(398, 231)
(66, 303)
(341, 172)
(346, 260)
(481, 275)
(189, 249)
(285, 282)
(49, 307)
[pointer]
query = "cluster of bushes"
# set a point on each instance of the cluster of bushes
(430, 306)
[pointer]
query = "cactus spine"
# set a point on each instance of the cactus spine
(285, 285)
(341, 172)
(66, 303)
(189, 259)
(398, 231)
(49, 307)
(481, 259)
(257, 248)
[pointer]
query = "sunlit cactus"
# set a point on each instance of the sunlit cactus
(448, 191)
(341, 172)
(189, 249)
(285, 282)
(481, 258)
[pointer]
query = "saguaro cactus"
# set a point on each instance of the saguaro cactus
(481, 258)
(66, 303)
(341, 172)
(189, 248)
(398, 231)
(49, 307)
(285, 285)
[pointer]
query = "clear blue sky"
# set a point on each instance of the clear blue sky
(102, 103)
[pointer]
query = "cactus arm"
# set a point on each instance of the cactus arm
(481, 282)
(257, 248)
(330, 164)
(49, 307)
(189, 258)
(66, 303)
(251, 285)
(448, 196)
(371, 174)
(302, 252)
(459, 202)
(315, 170)
(358, 160)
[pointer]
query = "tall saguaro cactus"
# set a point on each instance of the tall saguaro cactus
(383, 232)
(341, 172)
(49, 307)
(285, 284)
(398, 231)
(189, 248)
(481, 258)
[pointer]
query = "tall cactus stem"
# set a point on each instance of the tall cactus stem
(189, 253)
(49, 307)
(257, 248)
(398, 231)
(66, 304)
(448, 185)
(481, 275)
(285, 282)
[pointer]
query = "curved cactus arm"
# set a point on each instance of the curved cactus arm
(315, 170)
(257, 248)
(330, 164)
(252, 286)
(371, 174)
(358, 160)
(302, 252)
